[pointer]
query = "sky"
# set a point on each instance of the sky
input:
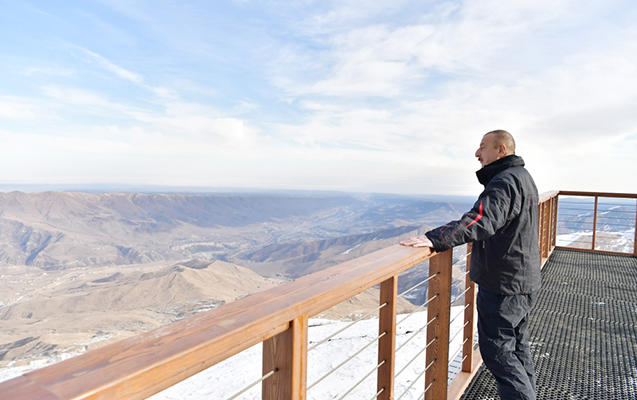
(349, 95)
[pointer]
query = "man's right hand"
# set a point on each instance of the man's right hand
(417, 241)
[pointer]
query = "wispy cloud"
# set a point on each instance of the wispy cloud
(116, 69)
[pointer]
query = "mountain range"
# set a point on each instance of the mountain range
(80, 270)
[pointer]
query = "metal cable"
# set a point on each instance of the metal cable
(416, 380)
(415, 357)
(627, 203)
(422, 396)
(458, 367)
(460, 295)
(625, 224)
(457, 333)
(415, 334)
(460, 349)
(459, 280)
(460, 313)
(346, 327)
(378, 394)
(250, 386)
(361, 381)
(344, 362)
(605, 217)
(416, 310)
(414, 287)
(427, 388)
(461, 259)
(569, 223)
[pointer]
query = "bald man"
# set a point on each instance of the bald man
(505, 261)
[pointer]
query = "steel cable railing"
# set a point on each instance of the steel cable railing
(417, 379)
(415, 286)
(346, 361)
(362, 380)
(420, 307)
(415, 357)
(427, 389)
(460, 313)
(253, 384)
(604, 215)
(457, 282)
(416, 334)
(460, 349)
(460, 295)
(378, 393)
(346, 327)
(427, 280)
(453, 373)
(627, 224)
(577, 208)
(405, 292)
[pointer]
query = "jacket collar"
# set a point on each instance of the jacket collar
(486, 173)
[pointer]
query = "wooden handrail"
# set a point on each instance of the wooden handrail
(143, 365)
(599, 194)
(547, 224)
(596, 196)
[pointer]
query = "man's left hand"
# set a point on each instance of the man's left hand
(418, 241)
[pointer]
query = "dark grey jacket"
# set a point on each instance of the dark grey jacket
(503, 224)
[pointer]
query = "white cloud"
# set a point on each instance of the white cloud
(16, 111)
(68, 72)
(116, 69)
(362, 95)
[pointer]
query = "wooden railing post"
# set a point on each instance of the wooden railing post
(549, 231)
(540, 229)
(554, 217)
(469, 313)
(635, 241)
(594, 223)
(438, 330)
(387, 343)
(287, 354)
(543, 229)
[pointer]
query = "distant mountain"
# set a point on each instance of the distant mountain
(60, 230)
(55, 230)
(62, 308)
(81, 270)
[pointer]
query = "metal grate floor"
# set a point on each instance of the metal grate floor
(583, 330)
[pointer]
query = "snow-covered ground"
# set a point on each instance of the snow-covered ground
(622, 241)
(232, 375)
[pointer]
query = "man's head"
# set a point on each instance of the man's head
(494, 146)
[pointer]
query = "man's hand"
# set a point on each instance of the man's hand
(417, 241)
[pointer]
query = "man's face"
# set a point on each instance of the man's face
(488, 152)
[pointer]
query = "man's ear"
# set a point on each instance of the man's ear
(502, 151)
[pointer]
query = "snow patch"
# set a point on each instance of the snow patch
(353, 248)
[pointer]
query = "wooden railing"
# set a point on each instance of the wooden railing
(598, 198)
(547, 224)
(151, 362)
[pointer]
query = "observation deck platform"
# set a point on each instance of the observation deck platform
(583, 330)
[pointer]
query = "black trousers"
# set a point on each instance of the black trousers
(503, 328)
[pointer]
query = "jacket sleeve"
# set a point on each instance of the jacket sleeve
(496, 206)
